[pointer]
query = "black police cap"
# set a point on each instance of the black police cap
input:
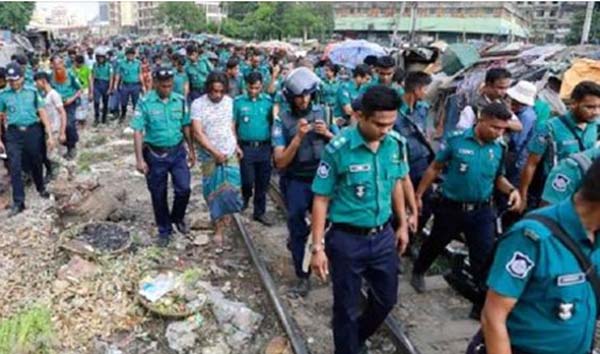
(163, 73)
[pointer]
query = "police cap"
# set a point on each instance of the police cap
(163, 73)
(13, 71)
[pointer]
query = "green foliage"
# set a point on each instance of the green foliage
(28, 332)
(238, 10)
(15, 16)
(183, 16)
(574, 36)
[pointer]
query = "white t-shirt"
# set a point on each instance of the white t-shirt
(53, 102)
(217, 121)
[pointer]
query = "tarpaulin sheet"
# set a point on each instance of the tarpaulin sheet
(581, 70)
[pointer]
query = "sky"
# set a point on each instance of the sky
(84, 10)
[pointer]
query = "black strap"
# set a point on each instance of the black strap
(569, 243)
(573, 132)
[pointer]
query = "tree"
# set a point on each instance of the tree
(238, 10)
(182, 16)
(15, 16)
(574, 36)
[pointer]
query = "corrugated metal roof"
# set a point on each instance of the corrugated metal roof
(485, 25)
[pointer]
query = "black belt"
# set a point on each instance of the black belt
(101, 80)
(23, 128)
(362, 231)
(254, 143)
(162, 150)
(466, 206)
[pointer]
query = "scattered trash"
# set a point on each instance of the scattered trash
(181, 335)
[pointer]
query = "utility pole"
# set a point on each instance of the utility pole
(587, 23)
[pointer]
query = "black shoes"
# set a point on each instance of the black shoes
(182, 227)
(44, 194)
(163, 241)
(263, 220)
(71, 153)
(417, 281)
(301, 289)
(15, 210)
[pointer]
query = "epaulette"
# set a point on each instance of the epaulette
(394, 134)
(266, 97)
(178, 96)
(455, 134)
(423, 104)
(337, 142)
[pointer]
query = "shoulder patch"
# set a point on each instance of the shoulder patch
(560, 182)
(519, 265)
(323, 170)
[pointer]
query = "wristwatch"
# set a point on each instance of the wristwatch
(317, 247)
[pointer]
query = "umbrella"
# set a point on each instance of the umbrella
(352, 53)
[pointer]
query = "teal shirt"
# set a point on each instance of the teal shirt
(179, 81)
(102, 71)
(328, 92)
(557, 140)
(375, 81)
(198, 72)
(566, 177)
(29, 75)
(130, 71)
(69, 88)
(347, 92)
(162, 122)
(253, 117)
(533, 266)
(358, 181)
(21, 106)
(472, 168)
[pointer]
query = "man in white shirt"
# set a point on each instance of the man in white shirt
(56, 114)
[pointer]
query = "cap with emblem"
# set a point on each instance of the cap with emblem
(13, 72)
(163, 73)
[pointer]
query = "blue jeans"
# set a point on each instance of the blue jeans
(255, 170)
(160, 166)
(129, 90)
(298, 200)
(100, 95)
(352, 258)
(477, 225)
(71, 131)
(24, 150)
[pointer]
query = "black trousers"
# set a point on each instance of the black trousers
(24, 149)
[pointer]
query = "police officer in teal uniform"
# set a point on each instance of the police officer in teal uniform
(253, 117)
(70, 91)
(257, 66)
(161, 124)
(197, 70)
(540, 299)
(385, 69)
(565, 178)
(237, 84)
(129, 77)
(101, 85)
(181, 82)
(299, 137)
(473, 164)
(27, 122)
(350, 90)
(328, 93)
(561, 137)
(360, 169)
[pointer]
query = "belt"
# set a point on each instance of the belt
(162, 150)
(101, 80)
(466, 206)
(362, 231)
(254, 143)
(132, 83)
(23, 128)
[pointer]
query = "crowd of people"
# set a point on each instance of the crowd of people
(358, 169)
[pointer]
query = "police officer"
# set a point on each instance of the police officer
(252, 113)
(299, 137)
(101, 85)
(129, 77)
(161, 124)
(328, 93)
(412, 125)
(197, 70)
(358, 172)
(181, 82)
(24, 111)
(385, 69)
(540, 300)
(257, 66)
(236, 81)
(566, 177)
(560, 137)
(63, 80)
(350, 90)
(473, 161)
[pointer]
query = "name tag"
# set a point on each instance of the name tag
(466, 152)
(360, 168)
(570, 279)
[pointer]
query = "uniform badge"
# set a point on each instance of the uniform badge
(360, 168)
(323, 170)
(359, 191)
(571, 279)
(463, 167)
(519, 265)
(565, 311)
(246, 119)
(560, 182)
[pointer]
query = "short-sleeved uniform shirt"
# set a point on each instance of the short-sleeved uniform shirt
(161, 120)
(253, 117)
(358, 181)
(472, 168)
(561, 137)
(556, 307)
(21, 106)
(376, 81)
(179, 81)
(347, 93)
(102, 71)
(262, 69)
(198, 72)
(130, 70)
(566, 177)
(67, 89)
